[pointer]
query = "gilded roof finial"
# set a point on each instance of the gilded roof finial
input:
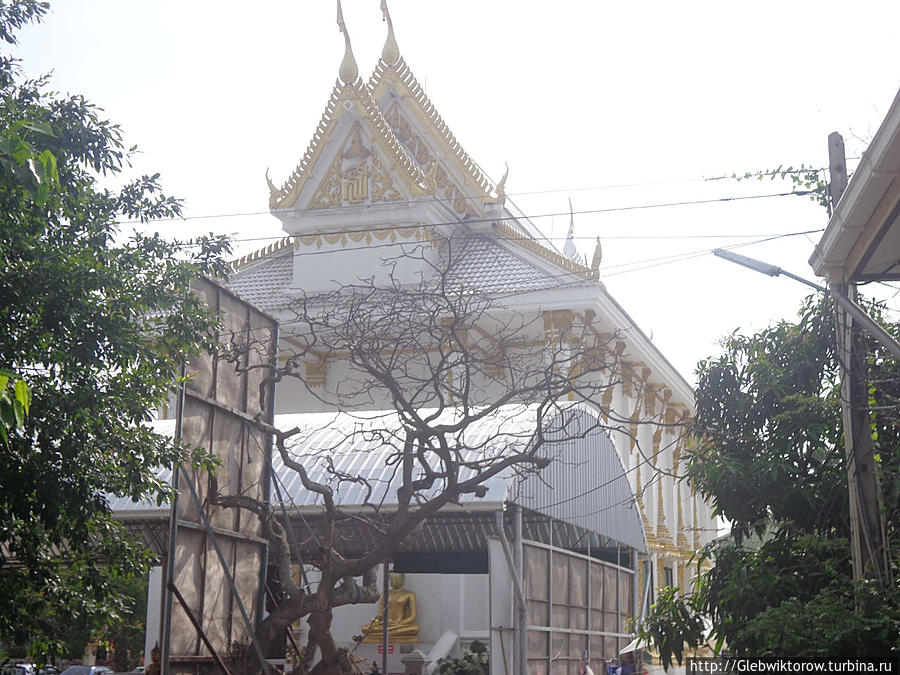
(569, 248)
(349, 71)
(390, 54)
(598, 256)
(501, 186)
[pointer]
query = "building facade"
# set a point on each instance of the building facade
(383, 171)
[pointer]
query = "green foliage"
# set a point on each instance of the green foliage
(771, 461)
(805, 180)
(125, 638)
(473, 662)
(769, 411)
(671, 625)
(15, 400)
(94, 325)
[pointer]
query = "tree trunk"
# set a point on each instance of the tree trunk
(332, 661)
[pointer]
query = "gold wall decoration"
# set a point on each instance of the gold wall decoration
(628, 382)
(344, 237)
(356, 184)
(657, 437)
(328, 193)
(606, 400)
(353, 172)
(317, 372)
(383, 189)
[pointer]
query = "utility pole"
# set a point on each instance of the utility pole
(866, 541)
(866, 533)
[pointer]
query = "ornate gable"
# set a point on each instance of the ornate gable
(419, 128)
(353, 158)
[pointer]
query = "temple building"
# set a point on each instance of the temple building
(384, 170)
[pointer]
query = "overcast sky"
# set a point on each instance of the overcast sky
(614, 105)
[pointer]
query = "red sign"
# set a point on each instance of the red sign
(381, 649)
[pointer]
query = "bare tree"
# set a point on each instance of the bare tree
(448, 368)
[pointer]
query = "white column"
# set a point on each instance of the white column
(154, 601)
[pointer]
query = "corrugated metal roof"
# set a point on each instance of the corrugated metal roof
(584, 485)
(357, 455)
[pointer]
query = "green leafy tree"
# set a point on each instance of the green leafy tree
(771, 461)
(94, 325)
(15, 399)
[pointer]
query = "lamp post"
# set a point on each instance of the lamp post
(866, 526)
(854, 310)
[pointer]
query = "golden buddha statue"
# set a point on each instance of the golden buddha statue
(401, 615)
(153, 667)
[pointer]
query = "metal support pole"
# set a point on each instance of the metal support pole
(385, 596)
(522, 614)
(268, 408)
(504, 544)
(166, 612)
(635, 591)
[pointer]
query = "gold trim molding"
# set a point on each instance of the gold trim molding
(343, 237)
(514, 235)
(400, 74)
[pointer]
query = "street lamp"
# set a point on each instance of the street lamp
(854, 310)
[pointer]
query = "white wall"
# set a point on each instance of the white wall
(154, 602)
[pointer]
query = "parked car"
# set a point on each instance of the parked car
(86, 670)
(19, 669)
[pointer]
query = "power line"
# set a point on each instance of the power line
(614, 186)
(556, 214)
(764, 238)
(637, 266)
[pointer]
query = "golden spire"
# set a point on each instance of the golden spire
(390, 54)
(348, 71)
(569, 249)
(501, 186)
(598, 256)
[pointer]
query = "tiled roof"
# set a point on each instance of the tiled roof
(490, 267)
(480, 263)
(264, 283)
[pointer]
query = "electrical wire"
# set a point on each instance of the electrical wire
(636, 266)
(555, 214)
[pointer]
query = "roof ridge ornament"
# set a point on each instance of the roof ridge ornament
(390, 54)
(500, 190)
(569, 248)
(349, 71)
(595, 261)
